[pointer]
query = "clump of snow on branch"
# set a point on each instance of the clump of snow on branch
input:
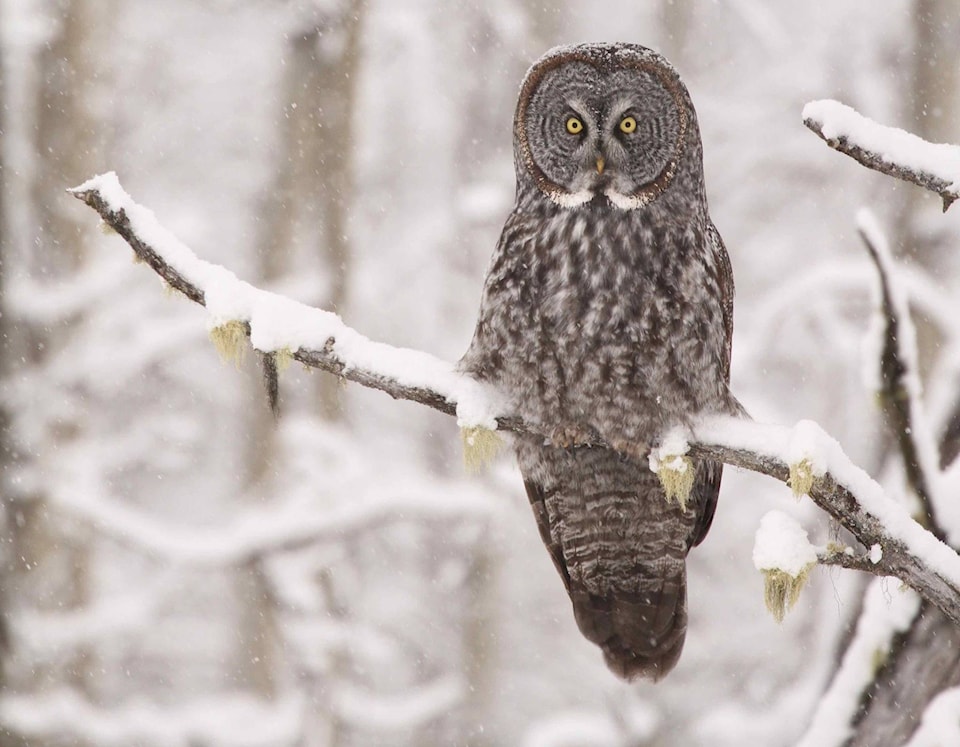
(478, 406)
(895, 146)
(889, 609)
(674, 468)
(783, 554)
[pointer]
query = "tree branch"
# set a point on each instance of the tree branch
(844, 558)
(888, 150)
(899, 377)
(321, 340)
(847, 494)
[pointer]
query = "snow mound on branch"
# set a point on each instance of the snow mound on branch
(673, 467)
(781, 544)
(895, 146)
(784, 555)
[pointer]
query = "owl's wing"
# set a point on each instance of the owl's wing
(537, 496)
(725, 283)
(706, 490)
(707, 487)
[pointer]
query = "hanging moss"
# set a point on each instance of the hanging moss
(676, 475)
(480, 446)
(781, 590)
(230, 341)
(282, 359)
(801, 478)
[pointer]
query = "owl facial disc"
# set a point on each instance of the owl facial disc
(598, 121)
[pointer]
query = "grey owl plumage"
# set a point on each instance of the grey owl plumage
(608, 306)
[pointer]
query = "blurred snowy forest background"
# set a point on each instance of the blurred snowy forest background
(180, 570)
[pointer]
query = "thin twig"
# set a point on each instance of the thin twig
(844, 558)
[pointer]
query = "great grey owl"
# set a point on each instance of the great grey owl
(608, 310)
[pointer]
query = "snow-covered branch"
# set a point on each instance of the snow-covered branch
(814, 464)
(899, 382)
(889, 150)
(282, 327)
(804, 457)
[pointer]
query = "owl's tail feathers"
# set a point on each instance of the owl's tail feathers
(641, 634)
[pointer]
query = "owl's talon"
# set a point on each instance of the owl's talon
(570, 437)
(631, 449)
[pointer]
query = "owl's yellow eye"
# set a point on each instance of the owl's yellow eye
(574, 126)
(628, 125)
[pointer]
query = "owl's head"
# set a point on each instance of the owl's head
(604, 120)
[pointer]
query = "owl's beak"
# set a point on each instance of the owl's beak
(600, 163)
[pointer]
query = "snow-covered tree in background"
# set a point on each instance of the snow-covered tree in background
(339, 580)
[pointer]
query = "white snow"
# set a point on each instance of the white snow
(259, 530)
(893, 145)
(574, 730)
(226, 720)
(478, 404)
(673, 446)
(888, 609)
(411, 709)
(876, 554)
(806, 445)
(781, 544)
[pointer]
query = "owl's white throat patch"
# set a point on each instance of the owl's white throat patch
(570, 199)
(626, 202)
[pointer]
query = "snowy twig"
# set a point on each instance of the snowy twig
(321, 340)
(844, 557)
(887, 149)
(899, 379)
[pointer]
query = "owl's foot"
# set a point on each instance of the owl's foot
(571, 436)
(633, 449)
